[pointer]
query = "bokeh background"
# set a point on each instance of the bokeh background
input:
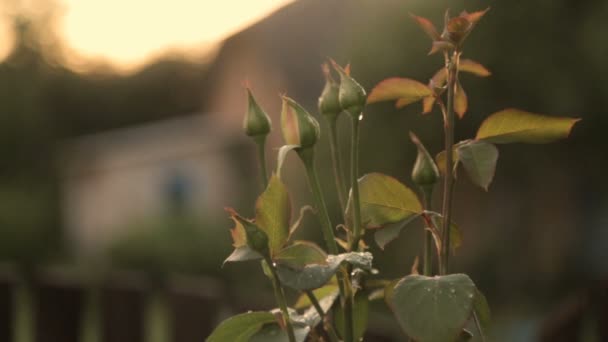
(121, 143)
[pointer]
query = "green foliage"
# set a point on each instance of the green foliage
(433, 309)
(316, 275)
(429, 307)
(385, 200)
(241, 328)
(479, 160)
(514, 125)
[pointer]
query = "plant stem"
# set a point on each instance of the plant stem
(452, 66)
(260, 141)
(333, 337)
(337, 163)
(279, 295)
(354, 179)
(427, 267)
(307, 156)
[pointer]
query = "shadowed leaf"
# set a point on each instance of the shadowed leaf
(514, 125)
(404, 89)
(479, 160)
(272, 214)
(391, 231)
(433, 309)
(360, 316)
(316, 275)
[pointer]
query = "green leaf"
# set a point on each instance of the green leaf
(274, 333)
(433, 309)
(320, 293)
(404, 89)
(482, 310)
(316, 275)
(242, 252)
(385, 200)
(514, 125)
(240, 328)
(479, 160)
(272, 214)
(391, 231)
(360, 316)
(300, 254)
(257, 239)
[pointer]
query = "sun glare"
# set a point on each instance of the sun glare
(126, 34)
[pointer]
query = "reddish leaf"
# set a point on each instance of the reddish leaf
(475, 16)
(441, 45)
(427, 104)
(427, 26)
(473, 67)
(460, 100)
(399, 88)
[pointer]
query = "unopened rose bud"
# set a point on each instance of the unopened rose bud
(352, 95)
(256, 122)
(298, 126)
(329, 103)
(425, 172)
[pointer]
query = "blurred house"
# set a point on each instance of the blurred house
(115, 178)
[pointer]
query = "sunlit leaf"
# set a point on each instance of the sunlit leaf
(272, 213)
(300, 254)
(385, 200)
(316, 275)
(479, 160)
(461, 102)
(427, 26)
(239, 237)
(470, 66)
(514, 125)
(320, 293)
(360, 316)
(240, 328)
(391, 231)
(433, 309)
(404, 89)
(427, 104)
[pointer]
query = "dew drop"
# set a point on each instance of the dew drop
(274, 264)
(360, 117)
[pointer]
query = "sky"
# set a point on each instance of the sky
(128, 33)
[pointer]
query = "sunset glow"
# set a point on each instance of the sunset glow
(129, 33)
